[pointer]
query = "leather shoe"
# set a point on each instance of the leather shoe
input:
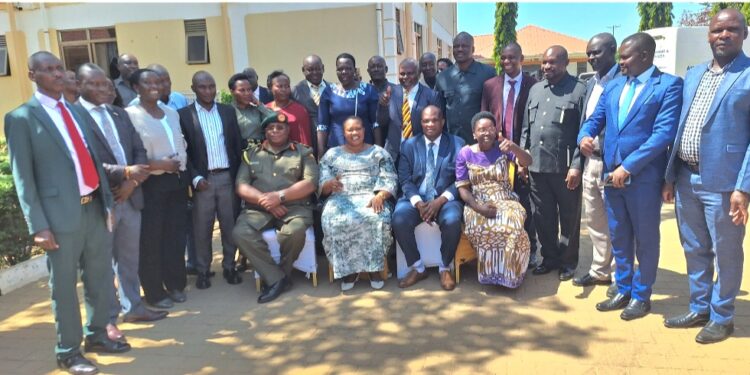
(566, 273)
(191, 271)
(543, 269)
(612, 290)
(617, 302)
(714, 332)
(446, 280)
(146, 316)
(412, 278)
(203, 281)
(686, 320)
(588, 280)
(105, 346)
(177, 296)
(274, 291)
(77, 364)
(114, 333)
(636, 309)
(166, 303)
(232, 276)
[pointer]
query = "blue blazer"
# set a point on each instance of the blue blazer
(390, 117)
(412, 166)
(725, 140)
(649, 129)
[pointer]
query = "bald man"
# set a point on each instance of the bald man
(127, 64)
(307, 92)
(428, 68)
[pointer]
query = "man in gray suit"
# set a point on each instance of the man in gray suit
(120, 150)
(307, 92)
(66, 201)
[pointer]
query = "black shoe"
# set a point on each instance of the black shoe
(714, 332)
(203, 281)
(232, 276)
(177, 296)
(588, 280)
(612, 290)
(636, 309)
(686, 320)
(617, 302)
(543, 269)
(274, 291)
(166, 303)
(191, 271)
(242, 264)
(566, 273)
(77, 364)
(105, 345)
(532, 265)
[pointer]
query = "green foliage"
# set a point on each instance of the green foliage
(654, 15)
(505, 29)
(744, 8)
(225, 97)
(15, 242)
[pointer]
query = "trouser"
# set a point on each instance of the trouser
(125, 253)
(163, 221)
(86, 249)
(189, 238)
(220, 202)
(556, 206)
(602, 260)
(406, 218)
(523, 190)
(290, 235)
(712, 243)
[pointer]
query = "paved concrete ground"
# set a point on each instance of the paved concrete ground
(544, 326)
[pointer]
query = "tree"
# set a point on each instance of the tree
(654, 15)
(699, 18)
(744, 8)
(505, 30)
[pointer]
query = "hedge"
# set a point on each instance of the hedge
(15, 242)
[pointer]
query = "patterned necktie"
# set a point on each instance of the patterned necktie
(625, 107)
(90, 177)
(315, 94)
(430, 175)
(109, 133)
(509, 110)
(406, 131)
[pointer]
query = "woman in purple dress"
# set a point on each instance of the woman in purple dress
(493, 216)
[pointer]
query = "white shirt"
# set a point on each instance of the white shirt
(423, 187)
(506, 89)
(596, 92)
(642, 79)
(50, 106)
(94, 112)
(213, 133)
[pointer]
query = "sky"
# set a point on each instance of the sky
(581, 20)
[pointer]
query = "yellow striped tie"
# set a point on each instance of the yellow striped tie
(406, 118)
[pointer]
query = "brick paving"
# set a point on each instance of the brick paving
(544, 326)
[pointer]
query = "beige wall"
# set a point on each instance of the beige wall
(15, 88)
(445, 14)
(163, 42)
(325, 32)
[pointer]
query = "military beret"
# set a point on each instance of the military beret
(272, 118)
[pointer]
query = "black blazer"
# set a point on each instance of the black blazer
(265, 96)
(196, 143)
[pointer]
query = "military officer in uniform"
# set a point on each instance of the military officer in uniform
(276, 181)
(550, 128)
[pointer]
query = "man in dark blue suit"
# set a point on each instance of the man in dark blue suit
(400, 109)
(640, 110)
(259, 92)
(426, 175)
(708, 168)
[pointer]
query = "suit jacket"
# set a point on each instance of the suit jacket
(649, 128)
(390, 117)
(44, 172)
(492, 101)
(131, 144)
(264, 95)
(412, 166)
(196, 143)
(725, 139)
(301, 94)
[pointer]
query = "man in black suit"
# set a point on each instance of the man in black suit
(120, 150)
(307, 92)
(504, 96)
(261, 93)
(214, 145)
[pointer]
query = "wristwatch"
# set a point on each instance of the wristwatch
(282, 196)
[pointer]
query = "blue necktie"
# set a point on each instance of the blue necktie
(626, 103)
(430, 175)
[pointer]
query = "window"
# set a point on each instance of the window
(196, 41)
(439, 48)
(4, 66)
(418, 38)
(399, 38)
(81, 46)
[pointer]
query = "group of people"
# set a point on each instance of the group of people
(105, 174)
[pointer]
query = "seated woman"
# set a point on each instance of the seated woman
(357, 179)
(493, 216)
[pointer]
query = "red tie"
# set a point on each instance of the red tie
(90, 177)
(508, 116)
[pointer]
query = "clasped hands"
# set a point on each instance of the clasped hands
(428, 211)
(272, 203)
(135, 175)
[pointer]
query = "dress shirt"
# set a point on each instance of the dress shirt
(598, 89)
(213, 133)
(642, 79)
(94, 112)
(50, 106)
(423, 187)
(316, 89)
(256, 93)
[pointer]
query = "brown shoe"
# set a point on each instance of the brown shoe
(114, 333)
(447, 281)
(412, 278)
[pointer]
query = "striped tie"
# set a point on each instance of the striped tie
(316, 95)
(406, 118)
